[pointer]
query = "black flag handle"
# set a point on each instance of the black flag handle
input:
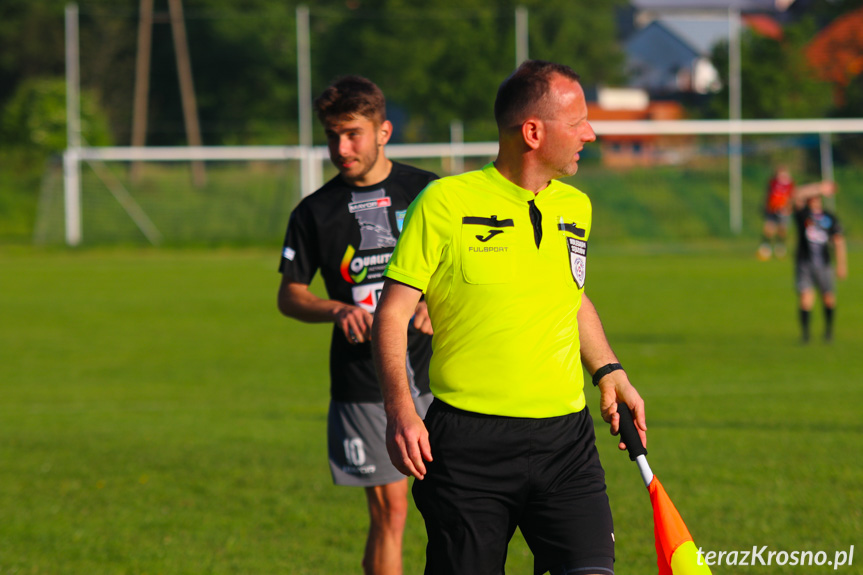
(628, 433)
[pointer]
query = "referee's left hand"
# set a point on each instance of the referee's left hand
(615, 387)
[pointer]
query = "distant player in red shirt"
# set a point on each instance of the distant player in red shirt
(777, 214)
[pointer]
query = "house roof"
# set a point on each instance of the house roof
(837, 50)
(659, 41)
(657, 56)
(702, 34)
(764, 25)
(742, 5)
(660, 53)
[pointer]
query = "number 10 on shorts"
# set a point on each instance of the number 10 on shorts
(354, 451)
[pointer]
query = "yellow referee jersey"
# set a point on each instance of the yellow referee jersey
(503, 271)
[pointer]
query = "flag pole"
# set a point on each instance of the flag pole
(629, 436)
(676, 553)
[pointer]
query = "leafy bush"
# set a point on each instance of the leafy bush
(35, 117)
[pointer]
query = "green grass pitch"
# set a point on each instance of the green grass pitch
(157, 414)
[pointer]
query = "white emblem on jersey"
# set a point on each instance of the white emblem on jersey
(817, 235)
(366, 295)
(578, 260)
(289, 254)
(372, 214)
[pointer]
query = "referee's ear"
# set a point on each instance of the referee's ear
(533, 133)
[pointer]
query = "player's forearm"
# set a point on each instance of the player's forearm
(841, 256)
(389, 337)
(320, 311)
(296, 301)
(390, 341)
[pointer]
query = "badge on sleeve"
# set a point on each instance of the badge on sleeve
(577, 260)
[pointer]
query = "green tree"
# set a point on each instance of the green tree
(848, 148)
(823, 11)
(243, 66)
(437, 62)
(444, 63)
(31, 42)
(776, 79)
(35, 117)
(581, 34)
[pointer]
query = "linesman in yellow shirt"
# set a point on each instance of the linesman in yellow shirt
(501, 255)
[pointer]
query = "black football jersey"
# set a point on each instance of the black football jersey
(814, 234)
(348, 234)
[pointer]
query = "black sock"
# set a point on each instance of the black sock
(804, 323)
(828, 322)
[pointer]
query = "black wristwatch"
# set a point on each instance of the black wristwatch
(605, 370)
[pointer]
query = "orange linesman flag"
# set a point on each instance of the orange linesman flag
(676, 553)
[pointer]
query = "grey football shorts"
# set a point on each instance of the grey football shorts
(778, 218)
(809, 275)
(356, 438)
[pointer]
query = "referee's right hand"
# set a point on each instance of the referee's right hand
(408, 441)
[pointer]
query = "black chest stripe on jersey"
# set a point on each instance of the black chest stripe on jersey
(572, 228)
(536, 220)
(491, 222)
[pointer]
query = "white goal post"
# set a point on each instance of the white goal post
(312, 158)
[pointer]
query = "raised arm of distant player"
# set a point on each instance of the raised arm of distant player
(803, 193)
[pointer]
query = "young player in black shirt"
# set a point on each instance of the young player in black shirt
(347, 229)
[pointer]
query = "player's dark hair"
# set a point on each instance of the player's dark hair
(351, 96)
(524, 91)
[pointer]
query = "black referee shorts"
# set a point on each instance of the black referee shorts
(492, 474)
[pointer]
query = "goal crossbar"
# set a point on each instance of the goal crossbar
(312, 158)
(602, 128)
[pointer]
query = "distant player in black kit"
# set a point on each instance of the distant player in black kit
(347, 229)
(816, 230)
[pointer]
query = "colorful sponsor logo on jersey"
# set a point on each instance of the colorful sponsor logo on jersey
(374, 204)
(355, 269)
(349, 273)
